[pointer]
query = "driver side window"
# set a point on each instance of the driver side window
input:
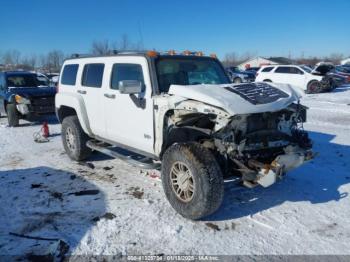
(121, 72)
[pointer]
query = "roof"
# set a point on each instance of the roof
(139, 53)
(18, 73)
(280, 60)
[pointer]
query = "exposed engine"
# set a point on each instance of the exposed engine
(258, 143)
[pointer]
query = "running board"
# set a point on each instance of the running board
(128, 156)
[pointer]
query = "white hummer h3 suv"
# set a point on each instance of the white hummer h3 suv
(180, 113)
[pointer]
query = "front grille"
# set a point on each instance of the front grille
(42, 105)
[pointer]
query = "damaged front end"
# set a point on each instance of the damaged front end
(262, 147)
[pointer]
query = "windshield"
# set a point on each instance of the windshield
(22, 80)
(306, 69)
(43, 81)
(188, 71)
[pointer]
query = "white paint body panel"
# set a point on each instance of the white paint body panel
(218, 96)
(298, 80)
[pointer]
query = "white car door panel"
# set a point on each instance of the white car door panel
(129, 118)
(89, 86)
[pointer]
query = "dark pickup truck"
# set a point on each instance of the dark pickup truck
(22, 96)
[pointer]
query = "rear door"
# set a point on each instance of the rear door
(129, 118)
(289, 75)
(92, 78)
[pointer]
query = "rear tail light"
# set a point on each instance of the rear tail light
(256, 74)
(57, 88)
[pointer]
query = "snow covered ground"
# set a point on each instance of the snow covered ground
(109, 207)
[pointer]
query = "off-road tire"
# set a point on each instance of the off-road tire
(12, 115)
(207, 176)
(79, 151)
(237, 80)
(312, 89)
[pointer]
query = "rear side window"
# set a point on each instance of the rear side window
(122, 72)
(267, 69)
(69, 75)
(283, 70)
(93, 75)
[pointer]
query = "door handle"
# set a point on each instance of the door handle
(83, 92)
(112, 96)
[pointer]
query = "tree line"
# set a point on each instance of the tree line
(52, 61)
(234, 59)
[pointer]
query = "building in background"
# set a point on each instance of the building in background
(261, 61)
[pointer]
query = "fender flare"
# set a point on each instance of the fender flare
(75, 102)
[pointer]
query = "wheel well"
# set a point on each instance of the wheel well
(5, 106)
(182, 135)
(65, 111)
(313, 80)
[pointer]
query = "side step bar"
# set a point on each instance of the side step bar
(132, 158)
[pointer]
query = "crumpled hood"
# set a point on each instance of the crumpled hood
(241, 99)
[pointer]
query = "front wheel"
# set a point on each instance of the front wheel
(192, 180)
(74, 139)
(237, 80)
(12, 115)
(313, 87)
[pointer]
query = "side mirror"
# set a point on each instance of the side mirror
(130, 87)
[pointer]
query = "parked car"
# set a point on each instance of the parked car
(295, 75)
(252, 69)
(23, 96)
(330, 72)
(344, 71)
(180, 113)
(238, 76)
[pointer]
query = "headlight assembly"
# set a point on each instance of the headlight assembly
(21, 100)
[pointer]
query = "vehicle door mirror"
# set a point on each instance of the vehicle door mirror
(130, 87)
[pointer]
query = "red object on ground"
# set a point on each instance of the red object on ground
(45, 130)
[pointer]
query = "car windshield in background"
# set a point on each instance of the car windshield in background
(22, 80)
(188, 71)
(43, 81)
(306, 69)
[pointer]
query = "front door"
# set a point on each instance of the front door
(129, 118)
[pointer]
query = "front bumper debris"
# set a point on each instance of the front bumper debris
(269, 173)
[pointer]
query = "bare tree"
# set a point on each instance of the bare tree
(12, 57)
(335, 58)
(230, 59)
(100, 47)
(125, 43)
(52, 61)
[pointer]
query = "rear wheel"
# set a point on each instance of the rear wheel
(192, 180)
(74, 139)
(12, 115)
